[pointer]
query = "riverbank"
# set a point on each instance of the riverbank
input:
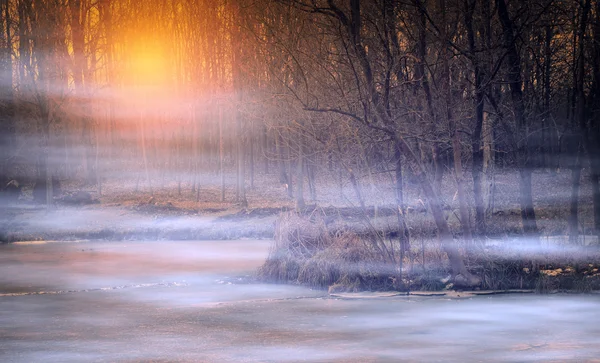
(180, 301)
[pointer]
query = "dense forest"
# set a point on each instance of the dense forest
(430, 97)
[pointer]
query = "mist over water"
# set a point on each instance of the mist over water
(154, 155)
(190, 301)
(198, 301)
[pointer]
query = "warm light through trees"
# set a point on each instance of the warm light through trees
(149, 65)
(350, 91)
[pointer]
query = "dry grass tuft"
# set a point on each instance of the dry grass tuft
(306, 252)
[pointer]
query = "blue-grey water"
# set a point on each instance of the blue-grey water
(187, 302)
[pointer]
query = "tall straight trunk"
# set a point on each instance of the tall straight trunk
(283, 178)
(574, 202)
(340, 167)
(177, 165)
(438, 167)
(251, 156)
(7, 119)
(595, 178)
(44, 52)
(456, 147)
(106, 19)
(592, 132)
(47, 169)
(300, 204)
(97, 164)
(288, 164)
(462, 196)
(423, 83)
(142, 123)
(221, 154)
(195, 134)
(93, 128)
(24, 11)
(420, 75)
(79, 81)
(488, 164)
(356, 187)
(578, 122)
(364, 158)
(476, 136)
(523, 151)
(202, 141)
(449, 246)
(265, 146)
(488, 127)
(241, 159)
(238, 85)
(548, 147)
(403, 232)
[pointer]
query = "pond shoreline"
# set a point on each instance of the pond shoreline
(178, 297)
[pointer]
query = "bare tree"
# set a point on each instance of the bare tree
(514, 79)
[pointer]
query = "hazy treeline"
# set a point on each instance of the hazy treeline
(352, 88)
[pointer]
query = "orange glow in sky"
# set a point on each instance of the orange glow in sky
(149, 65)
(149, 74)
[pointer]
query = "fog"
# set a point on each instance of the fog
(195, 301)
(155, 154)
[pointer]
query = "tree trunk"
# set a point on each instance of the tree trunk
(595, 177)
(489, 179)
(241, 159)
(144, 151)
(251, 155)
(79, 72)
(575, 185)
(221, 154)
(476, 137)
(523, 152)
(238, 84)
(579, 122)
(193, 161)
(49, 188)
(449, 246)
(548, 147)
(7, 119)
(592, 133)
(403, 232)
(356, 188)
(107, 23)
(98, 164)
(438, 168)
(283, 177)
(462, 196)
(265, 146)
(288, 164)
(456, 147)
(300, 204)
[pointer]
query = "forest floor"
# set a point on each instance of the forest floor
(128, 211)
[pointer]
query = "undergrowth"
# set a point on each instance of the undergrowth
(310, 252)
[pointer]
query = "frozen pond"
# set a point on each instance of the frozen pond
(180, 302)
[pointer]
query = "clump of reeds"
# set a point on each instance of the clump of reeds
(306, 252)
